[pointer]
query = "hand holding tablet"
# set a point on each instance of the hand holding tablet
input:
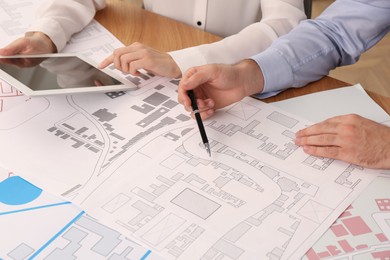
(47, 74)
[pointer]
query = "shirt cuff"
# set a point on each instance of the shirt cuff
(188, 58)
(52, 29)
(276, 70)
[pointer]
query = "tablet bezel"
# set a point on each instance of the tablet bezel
(14, 82)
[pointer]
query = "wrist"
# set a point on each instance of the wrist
(251, 76)
(44, 39)
(176, 72)
(175, 69)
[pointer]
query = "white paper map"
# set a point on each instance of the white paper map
(37, 225)
(363, 230)
(135, 161)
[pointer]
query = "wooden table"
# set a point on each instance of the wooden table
(129, 23)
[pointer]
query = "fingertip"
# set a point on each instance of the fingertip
(308, 149)
(102, 65)
(105, 63)
(210, 112)
(300, 133)
(133, 72)
(210, 103)
(207, 113)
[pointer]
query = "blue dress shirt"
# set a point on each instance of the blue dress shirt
(313, 48)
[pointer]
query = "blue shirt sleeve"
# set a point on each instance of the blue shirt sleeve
(313, 48)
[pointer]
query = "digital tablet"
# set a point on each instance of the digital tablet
(47, 74)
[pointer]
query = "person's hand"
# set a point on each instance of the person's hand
(350, 138)
(31, 43)
(138, 56)
(217, 86)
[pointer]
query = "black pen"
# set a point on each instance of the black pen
(196, 111)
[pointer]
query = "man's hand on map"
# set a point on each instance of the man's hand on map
(219, 85)
(31, 43)
(350, 138)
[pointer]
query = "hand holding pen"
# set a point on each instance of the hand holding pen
(196, 111)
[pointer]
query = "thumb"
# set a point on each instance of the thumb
(195, 77)
(16, 47)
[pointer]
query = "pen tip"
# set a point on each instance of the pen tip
(208, 148)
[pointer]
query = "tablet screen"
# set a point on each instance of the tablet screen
(48, 73)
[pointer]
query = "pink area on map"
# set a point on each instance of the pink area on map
(346, 246)
(333, 250)
(359, 247)
(383, 255)
(356, 226)
(381, 237)
(7, 90)
(323, 254)
(345, 214)
(383, 204)
(312, 255)
(339, 230)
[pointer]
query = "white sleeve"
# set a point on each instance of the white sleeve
(60, 19)
(278, 18)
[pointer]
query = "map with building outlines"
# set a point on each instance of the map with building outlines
(60, 229)
(363, 230)
(135, 161)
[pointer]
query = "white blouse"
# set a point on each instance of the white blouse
(251, 25)
(220, 17)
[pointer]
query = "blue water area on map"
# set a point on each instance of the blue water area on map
(17, 191)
